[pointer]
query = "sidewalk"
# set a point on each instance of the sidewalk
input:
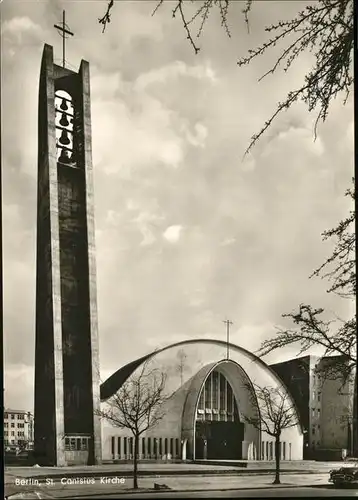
(169, 469)
(182, 483)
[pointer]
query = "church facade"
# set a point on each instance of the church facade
(204, 417)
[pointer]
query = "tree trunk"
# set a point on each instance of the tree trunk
(277, 459)
(135, 462)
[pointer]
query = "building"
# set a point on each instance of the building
(203, 418)
(66, 352)
(324, 404)
(18, 428)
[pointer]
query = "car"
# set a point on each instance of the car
(344, 476)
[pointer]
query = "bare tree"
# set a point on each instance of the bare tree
(137, 406)
(324, 28)
(311, 328)
(275, 413)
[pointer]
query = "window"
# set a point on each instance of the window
(5, 424)
(313, 412)
(284, 450)
(313, 430)
(130, 445)
(263, 450)
(12, 416)
(271, 450)
(119, 447)
(313, 394)
(113, 446)
(6, 415)
(171, 446)
(149, 447)
(13, 433)
(318, 443)
(177, 448)
(143, 447)
(165, 446)
(84, 444)
(160, 447)
(319, 396)
(21, 416)
(12, 424)
(318, 426)
(125, 446)
(318, 412)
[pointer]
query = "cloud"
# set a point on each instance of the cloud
(172, 71)
(20, 27)
(172, 233)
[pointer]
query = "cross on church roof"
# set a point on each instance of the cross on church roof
(64, 30)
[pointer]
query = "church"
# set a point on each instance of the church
(204, 417)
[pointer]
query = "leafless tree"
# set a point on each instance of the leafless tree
(275, 413)
(311, 328)
(137, 406)
(324, 28)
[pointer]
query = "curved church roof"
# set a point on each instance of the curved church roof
(117, 379)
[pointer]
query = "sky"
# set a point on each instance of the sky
(188, 233)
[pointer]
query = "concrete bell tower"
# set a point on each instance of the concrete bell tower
(67, 428)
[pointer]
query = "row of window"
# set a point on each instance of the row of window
(123, 447)
(318, 394)
(268, 450)
(314, 429)
(19, 425)
(12, 433)
(20, 416)
(77, 443)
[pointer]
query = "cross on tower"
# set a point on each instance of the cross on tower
(228, 323)
(63, 28)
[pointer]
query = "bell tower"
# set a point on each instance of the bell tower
(67, 428)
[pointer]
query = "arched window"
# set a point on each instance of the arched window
(217, 401)
(64, 116)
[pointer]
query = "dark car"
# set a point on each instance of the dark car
(345, 476)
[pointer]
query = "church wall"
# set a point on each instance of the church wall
(202, 357)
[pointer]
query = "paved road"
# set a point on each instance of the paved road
(71, 488)
(252, 493)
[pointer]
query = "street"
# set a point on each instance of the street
(189, 486)
(243, 493)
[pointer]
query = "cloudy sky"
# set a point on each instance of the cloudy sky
(187, 233)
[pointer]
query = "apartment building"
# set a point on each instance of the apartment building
(325, 405)
(18, 428)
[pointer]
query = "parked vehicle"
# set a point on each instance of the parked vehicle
(344, 476)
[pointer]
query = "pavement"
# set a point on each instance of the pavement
(114, 479)
(95, 487)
